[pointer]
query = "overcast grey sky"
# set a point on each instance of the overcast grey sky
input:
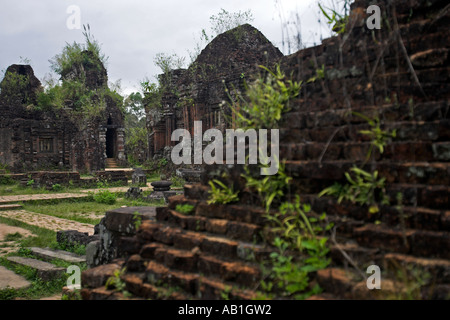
(132, 32)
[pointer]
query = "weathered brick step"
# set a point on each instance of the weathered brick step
(196, 191)
(209, 244)
(435, 197)
(234, 212)
(438, 268)
(231, 229)
(195, 284)
(138, 285)
(6, 207)
(424, 111)
(437, 130)
(195, 261)
(417, 218)
(347, 215)
(423, 243)
(359, 255)
(347, 284)
(46, 271)
(427, 173)
(181, 199)
(49, 255)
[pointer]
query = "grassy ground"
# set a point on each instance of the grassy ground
(84, 212)
(87, 210)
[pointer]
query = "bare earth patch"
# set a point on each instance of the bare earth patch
(47, 222)
(10, 246)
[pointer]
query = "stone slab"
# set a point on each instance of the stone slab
(46, 271)
(50, 254)
(123, 219)
(9, 279)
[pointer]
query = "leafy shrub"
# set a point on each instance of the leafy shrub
(221, 194)
(56, 187)
(105, 197)
(6, 180)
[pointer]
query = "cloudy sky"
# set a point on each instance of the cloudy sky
(132, 32)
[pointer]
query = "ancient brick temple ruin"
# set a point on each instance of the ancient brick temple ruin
(33, 139)
(196, 93)
(399, 74)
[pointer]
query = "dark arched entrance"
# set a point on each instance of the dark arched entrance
(110, 143)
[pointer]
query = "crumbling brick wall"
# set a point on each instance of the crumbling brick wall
(196, 93)
(34, 139)
(399, 74)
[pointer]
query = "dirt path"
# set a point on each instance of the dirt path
(47, 222)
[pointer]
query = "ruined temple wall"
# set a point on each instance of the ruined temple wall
(199, 92)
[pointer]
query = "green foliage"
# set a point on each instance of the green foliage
(380, 138)
(72, 54)
(105, 197)
(224, 20)
(14, 88)
(152, 95)
(72, 93)
(364, 188)
(266, 100)
(77, 248)
(13, 236)
(57, 187)
(168, 62)
(177, 182)
(221, 194)
(116, 283)
(6, 180)
(184, 208)
(338, 21)
(300, 250)
(137, 140)
(320, 74)
(137, 219)
(270, 188)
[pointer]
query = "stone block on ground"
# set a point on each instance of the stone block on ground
(49, 254)
(46, 271)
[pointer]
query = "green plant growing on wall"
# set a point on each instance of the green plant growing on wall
(267, 98)
(338, 21)
(13, 88)
(184, 208)
(116, 283)
(270, 189)
(137, 220)
(364, 187)
(297, 236)
(379, 137)
(221, 194)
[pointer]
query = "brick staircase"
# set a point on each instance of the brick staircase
(111, 163)
(204, 255)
